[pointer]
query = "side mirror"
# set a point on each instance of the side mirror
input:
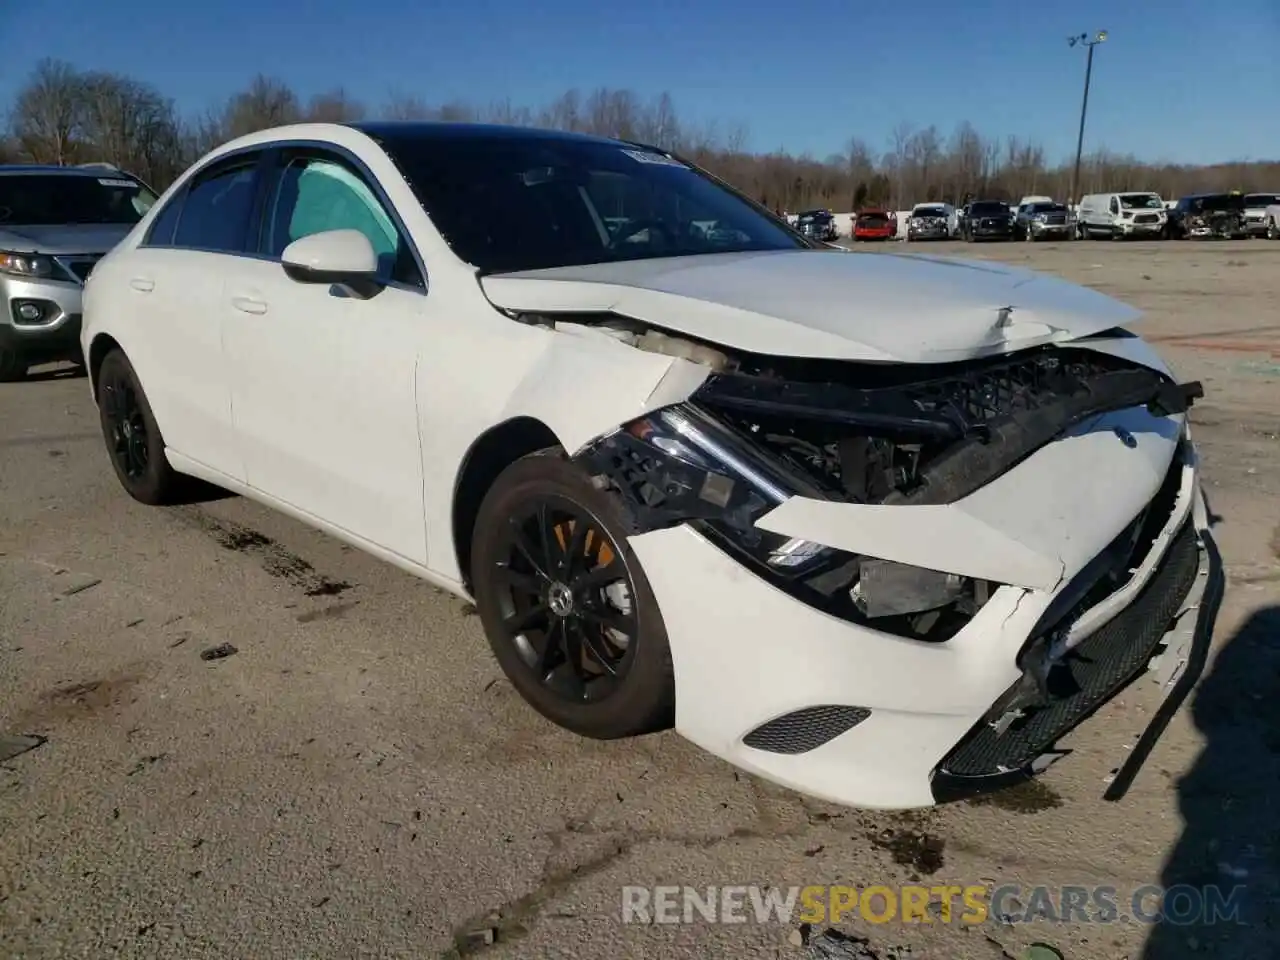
(344, 258)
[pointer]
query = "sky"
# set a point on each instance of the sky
(800, 75)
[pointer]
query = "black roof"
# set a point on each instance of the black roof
(435, 131)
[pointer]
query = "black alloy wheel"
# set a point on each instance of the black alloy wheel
(128, 429)
(134, 443)
(569, 614)
(571, 632)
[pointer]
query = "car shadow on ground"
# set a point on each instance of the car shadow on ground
(1227, 860)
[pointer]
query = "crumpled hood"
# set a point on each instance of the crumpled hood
(58, 239)
(870, 307)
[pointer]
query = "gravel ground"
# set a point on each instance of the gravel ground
(357, 779)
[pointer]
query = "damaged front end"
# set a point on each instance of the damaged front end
(762, 431)
(1218, 224)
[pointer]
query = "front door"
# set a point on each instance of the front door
(323, 383)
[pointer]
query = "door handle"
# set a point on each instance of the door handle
(249, 305)
(142, 284)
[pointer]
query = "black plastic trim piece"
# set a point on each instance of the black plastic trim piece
(804, 730)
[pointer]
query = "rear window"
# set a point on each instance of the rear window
(53, 199)
(873, 217)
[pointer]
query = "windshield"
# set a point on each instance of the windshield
(515, 203)
(1047, 208)
(989, 210)
(1262, 199)
(929, 212)
(52, 199)
(815, 215)
(1141, 201)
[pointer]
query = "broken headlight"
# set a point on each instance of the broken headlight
(681, 464)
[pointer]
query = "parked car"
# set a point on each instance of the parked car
(55, 222)
(1115, 216)
(1255, 212)
(989, 220)
(875, 225)
(817, 225)
(930, 221)
(1043, 220)
(683, 481)
(1209, 216)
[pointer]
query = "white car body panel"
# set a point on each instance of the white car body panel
(1272, 215)
(358, 417)
(891, 307)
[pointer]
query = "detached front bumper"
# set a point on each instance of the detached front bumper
(847, 713)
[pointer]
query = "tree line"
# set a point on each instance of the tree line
(63, 115)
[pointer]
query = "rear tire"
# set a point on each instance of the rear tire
(556, 603)
(134, 444)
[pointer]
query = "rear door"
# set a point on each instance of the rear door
(324, 384)
(175, 283)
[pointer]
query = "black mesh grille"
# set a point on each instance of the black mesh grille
(1090, 675)
(1002, 390)
(805, 730)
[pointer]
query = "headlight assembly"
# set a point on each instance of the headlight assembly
(725, 487)
(25, 265)
(683, 465)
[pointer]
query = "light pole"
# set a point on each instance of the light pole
(1090, 42)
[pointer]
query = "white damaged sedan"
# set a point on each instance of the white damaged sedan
(880, 528)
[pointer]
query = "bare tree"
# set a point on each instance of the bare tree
(405, 106)
(334, 106)
(266, 102)
(47, 116)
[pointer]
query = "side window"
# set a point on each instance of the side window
(315, 195)
(1115, 205)
(215, 214)
(161, 232)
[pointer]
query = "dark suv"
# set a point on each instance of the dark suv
(817, 224)
(988, 220)
(55, 224)
(1209, 215)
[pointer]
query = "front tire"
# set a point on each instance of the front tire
(1273, 232)
(134, 444)
(565, 604)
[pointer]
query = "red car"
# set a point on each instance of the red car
(875, 225)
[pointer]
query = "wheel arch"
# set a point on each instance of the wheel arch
(490, 454)
(103, 343)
